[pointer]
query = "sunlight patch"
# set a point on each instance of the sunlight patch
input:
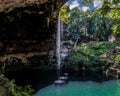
(97, 3)
(74, 4)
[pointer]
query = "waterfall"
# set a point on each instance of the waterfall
(58, 43)
(61, 31)
(62, 79)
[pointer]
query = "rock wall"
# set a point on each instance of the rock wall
(27, 28)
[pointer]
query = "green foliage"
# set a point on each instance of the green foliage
(100, 26)
(74, 24)
(117, 59)
(116, 28)
(89, 24)
(115, 2)
(64, 13)
(19, 90)
(88, 55)
(77, 58)
(105, 7)
(117, 41)
(112, 9)
(85, 2)
(95, 48)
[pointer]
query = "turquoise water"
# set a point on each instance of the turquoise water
(79, 88)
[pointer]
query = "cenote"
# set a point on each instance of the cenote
(78, 88)
(83, 86)
(42, 42)
(80, 83)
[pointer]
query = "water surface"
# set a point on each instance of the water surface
(79, 84)
(82, 88)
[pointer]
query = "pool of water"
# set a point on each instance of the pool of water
(80, 84)
(82, 88)
(36, 78)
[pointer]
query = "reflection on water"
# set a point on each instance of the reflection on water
(37, 78)
(86, 88)
(80, 84)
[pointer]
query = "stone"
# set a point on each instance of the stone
(63, 78)
(65, 74)
(64, 50)
(59, 82)
(63, 55)
(51, 53)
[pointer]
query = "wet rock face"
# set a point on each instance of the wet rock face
(23, 61)
(9, 5)
(27, 26)
(28, 19)
(19, 25)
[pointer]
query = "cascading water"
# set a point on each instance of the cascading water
(58, 42)
(61, 79)
(61, 31)
(58, 45)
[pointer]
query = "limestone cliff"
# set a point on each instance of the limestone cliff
(27, 26)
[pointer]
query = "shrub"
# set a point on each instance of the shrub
(88, 55)
(117, 59)
(19, 90)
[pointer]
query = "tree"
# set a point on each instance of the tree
(111, 8)
(64, 13)
(89, 24)
(101, 26)
(76, 24)
(85, 2)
